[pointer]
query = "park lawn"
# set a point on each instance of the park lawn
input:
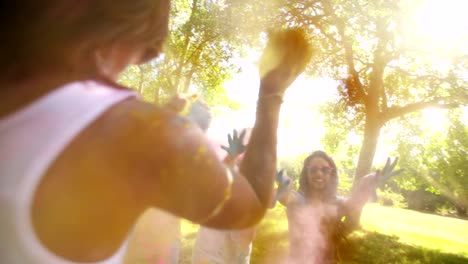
(430, 231)
(389, 235)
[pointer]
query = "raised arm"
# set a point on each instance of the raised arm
(183, 175)
(365, 190)
(285, 193)
(285, 57)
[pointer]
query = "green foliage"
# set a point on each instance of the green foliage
(446, 210)
(350, 122)
(293, 166)
(435, 164)
(144, 79)
(410, 147)
(338, 146)
(390, 198)
(197, 55)
(447, 163)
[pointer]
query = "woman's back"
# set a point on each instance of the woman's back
(31, 140)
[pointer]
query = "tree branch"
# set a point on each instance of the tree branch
(397, 111)
(381, 59)
(327, 35)
(348, 48)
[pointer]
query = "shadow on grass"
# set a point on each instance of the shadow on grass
(363, 247)
(270, 246)
(376, 248)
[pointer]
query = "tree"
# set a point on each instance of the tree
(383, 77)
(197, 54)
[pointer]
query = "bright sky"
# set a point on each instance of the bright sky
(440, 25)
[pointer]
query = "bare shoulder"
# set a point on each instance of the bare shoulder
(168, 157)
(134, 114)
(147, 126)
(148, 132)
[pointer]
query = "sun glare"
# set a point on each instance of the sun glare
(434, 119)
(441, 25)
(300, 127)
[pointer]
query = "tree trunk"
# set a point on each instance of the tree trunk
(183, 55)
(156, 95)
(188, 79)
(369, 145)
(373, 119)
(140, 83)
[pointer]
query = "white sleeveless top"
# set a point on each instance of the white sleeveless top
(30, 140)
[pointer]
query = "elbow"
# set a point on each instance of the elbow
(249, 217)
(232, 218)
(255, 219)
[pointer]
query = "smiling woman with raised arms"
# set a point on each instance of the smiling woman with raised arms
(317, 218)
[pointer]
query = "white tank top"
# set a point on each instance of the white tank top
(30, 140)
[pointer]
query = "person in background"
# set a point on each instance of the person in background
(317, 218)
(222, 246)
(235, 246)
(83, 157)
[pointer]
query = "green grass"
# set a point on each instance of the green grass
(389, 235)
(413, 228)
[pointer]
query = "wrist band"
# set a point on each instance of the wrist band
(272, 95)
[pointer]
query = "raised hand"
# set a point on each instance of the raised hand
(387, 171)
(368, 185)
(285, 57)
(235, 143)
(284, 185)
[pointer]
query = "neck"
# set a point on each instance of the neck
(315, 197)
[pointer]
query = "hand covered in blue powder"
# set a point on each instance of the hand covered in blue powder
(284, 184)
(384, 175)
(387, 171)
(235, 143)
